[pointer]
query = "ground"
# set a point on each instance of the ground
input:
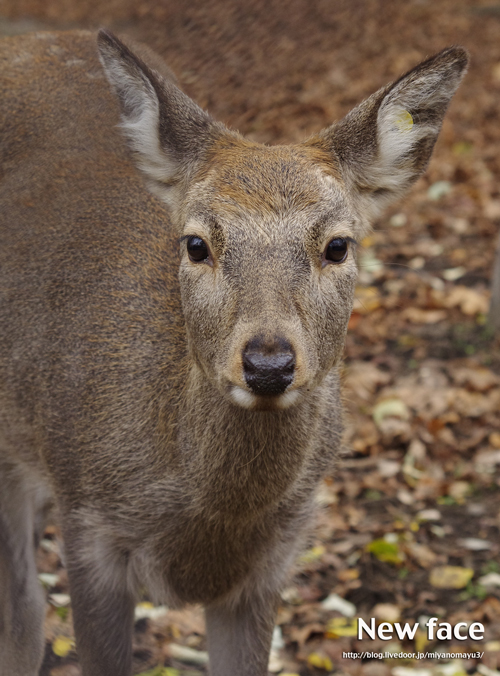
(418, 490)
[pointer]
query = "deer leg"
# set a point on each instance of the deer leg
(239, 636)
(22, 601)
(102, 603)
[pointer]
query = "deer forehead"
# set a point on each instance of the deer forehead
(255, 192)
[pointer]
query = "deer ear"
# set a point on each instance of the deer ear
(385, 143)
(167, 132)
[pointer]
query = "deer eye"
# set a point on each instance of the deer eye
(336, 251)
(197, 249)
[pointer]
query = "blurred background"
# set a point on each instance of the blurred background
(409, 525)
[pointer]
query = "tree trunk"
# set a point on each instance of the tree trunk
(494, 316)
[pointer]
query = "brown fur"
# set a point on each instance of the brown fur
(124, 392)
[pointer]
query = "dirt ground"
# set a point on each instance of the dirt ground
(418, 490)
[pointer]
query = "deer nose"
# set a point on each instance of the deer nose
(268, 365)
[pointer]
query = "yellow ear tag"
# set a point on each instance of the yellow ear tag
(404, 121)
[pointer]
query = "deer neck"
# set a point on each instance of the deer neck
(243, 461)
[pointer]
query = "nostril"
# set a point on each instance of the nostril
(268, 367)
(256, 361)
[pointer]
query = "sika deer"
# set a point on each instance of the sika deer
(170, 364)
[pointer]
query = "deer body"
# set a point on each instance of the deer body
(180, 401)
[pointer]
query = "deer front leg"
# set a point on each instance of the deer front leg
(103, 606)
(22, 601)
(239, 635)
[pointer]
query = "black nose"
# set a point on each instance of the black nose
(268, 365)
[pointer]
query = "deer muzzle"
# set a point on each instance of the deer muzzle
(268, 365)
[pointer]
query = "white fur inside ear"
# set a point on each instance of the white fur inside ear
(399, 133)
(394, 144)
(143, 135)
(140, 122)
(394, 141)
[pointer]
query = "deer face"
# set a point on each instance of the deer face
(268, 270)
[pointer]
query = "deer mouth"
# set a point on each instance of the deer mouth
(249, 400)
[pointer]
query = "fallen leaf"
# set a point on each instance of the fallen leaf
(148, 610)
(491, 209)
(49, 580)
(59, 600)
(184, 622)
(486, 460)
(486, 671)
(474, 544)
(405, 496)
(389, 552)
(338, 627)
(386, 612)
(455, 668)
(395, 430)
(160, 671)
(366, 299)
(66, 670)
(320, 661)
(302, 634)
(275, 664)
(450, 577)
(62, 645)
(336, 602)
(422, 554)
(421, 640)
(438, 190)
(418, 316)
(452, 274)
(490, 608)
(348, 574)
(189, 655)
(398, 220)
(479, 379)
(388, 468)
(369, 265)
(470, 301)
(277, 642)
(362, 379)
(312, 555)
(429, 515)
(390, 408)
(490, 580)
(407, 671)
(474, 404)
(459, 490)
(291, 595)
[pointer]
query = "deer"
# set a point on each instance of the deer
(174, 300)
